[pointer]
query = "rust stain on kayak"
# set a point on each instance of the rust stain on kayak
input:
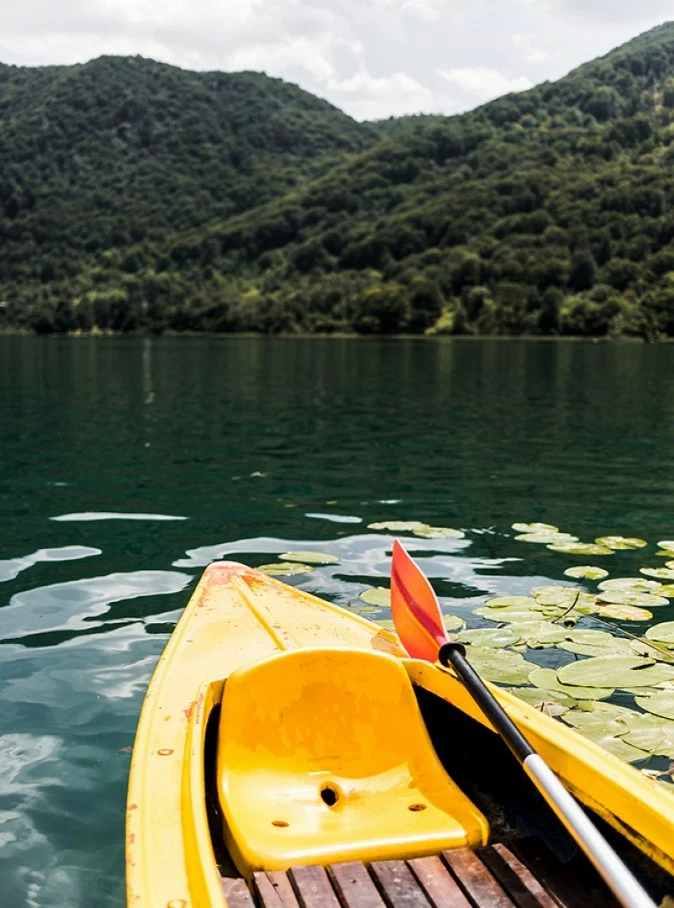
(198, 703)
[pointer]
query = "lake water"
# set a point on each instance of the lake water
(260, 446)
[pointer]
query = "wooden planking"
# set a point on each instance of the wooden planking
(354, 885)
(439, 885)
(313, 887)
(236, 893)
(398, 885)
(475, 879)
(517, 880)
(493, 878)
(273, 890)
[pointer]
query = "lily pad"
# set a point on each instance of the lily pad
(549, 702)
(636, 584)
(377, 595)
(613, 744)
(552, 588)
(661, 704)
(652, 733)
(428, 532)
(586, 571)
(538, 528)
(616, 671)
(310, 557)
(546, 538)
(417, 528)
(621, 542)
(660, 573)
(666, 589)
(362, 609)
(592, 711)
(614, 647)
(511, 601)
(492, 637)
(537, 634)
(656, 741)
(588, 635)
(508, 615)
(581, 548)
(286, 569)
(547, 679)
(667, 544)
(499, 665)
(662, 633)
(624, 612)
(562, 596)
(453, 622)
(631, 597)
(398, 526)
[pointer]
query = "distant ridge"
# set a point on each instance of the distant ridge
(138, 196)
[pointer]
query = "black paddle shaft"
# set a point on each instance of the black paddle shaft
(454, 654)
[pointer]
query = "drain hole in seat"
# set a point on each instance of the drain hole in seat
(329, 795)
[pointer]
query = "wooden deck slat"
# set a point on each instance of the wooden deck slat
(529, 876)
(517, 880)
(313, 888)
(354, 885)
(398, 885)
(236, 893)
(439, 885)
(475, 879)
(273, 890)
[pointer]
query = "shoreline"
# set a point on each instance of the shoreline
(337, 335)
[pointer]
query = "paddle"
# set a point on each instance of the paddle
(418, 621)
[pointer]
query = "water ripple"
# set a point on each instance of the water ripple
(75, 604)
(88, 516)
(12, 567)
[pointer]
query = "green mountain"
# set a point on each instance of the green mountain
(138, 196)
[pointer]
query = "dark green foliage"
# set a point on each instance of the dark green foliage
(135, 196)
(583, 271)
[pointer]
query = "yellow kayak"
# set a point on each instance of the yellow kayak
(282, 733)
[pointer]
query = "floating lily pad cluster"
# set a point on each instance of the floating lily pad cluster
(424, 530)
(557, 541)
(297, 563)
(642, 667)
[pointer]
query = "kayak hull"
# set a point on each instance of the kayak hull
(238, 617)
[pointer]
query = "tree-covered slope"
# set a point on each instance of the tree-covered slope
(98, 155)
(542, 212)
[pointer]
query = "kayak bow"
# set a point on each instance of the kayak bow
(280, 730)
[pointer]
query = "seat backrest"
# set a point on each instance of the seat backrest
(338, 710)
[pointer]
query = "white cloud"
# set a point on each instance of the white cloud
(530, 52)
(375, 58)
(311, 56)
(482, 83)
(626, 10)
(367, 97)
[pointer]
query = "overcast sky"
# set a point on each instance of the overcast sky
(372, 58)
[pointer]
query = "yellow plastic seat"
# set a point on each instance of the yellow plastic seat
(323, 756)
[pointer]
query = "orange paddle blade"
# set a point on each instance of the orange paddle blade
(415, 608)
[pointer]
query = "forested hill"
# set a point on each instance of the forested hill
(139, 196)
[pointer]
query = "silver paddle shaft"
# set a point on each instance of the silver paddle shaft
(620, 880)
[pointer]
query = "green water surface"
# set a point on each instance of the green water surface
(254, 447)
